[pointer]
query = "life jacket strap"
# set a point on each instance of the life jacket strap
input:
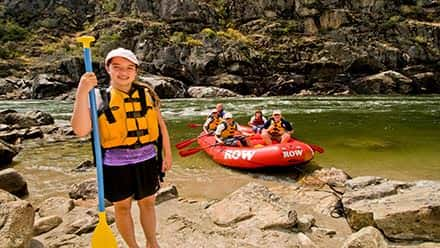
(105, 95)
(137, 133)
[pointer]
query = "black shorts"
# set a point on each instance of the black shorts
(137, 180)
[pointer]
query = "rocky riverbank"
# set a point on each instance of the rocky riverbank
(193, 48)
(323, 208)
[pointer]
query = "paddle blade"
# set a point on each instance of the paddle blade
(194, 125)
(317, 148)
(185, 143)
(103, 237)
(189, 152)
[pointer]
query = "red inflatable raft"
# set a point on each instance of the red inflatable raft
(276, 155)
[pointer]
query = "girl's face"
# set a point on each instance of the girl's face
(122, 73)
(258, 114)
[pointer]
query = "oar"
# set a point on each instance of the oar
(188, 142)
(194, 125)
(191, 151)
(102, 236)
(316, 148)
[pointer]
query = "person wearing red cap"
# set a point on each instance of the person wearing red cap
(132, 134)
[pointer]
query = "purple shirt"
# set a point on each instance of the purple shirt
(127, 156)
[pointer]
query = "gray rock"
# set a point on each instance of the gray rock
(305, 222)
(206, 92)
(305, 242)
(166, 194)
(16, 221)
(46, 224)
(255, 205)
(55, 206)
(165, 87)
(13, 182)
(387, 82)
(367, 237)
(402, 211)
(7, 153)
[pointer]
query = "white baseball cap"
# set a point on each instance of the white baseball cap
(227, 115)
(124, 53)
(276, 112)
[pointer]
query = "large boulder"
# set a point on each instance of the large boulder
(401, 210)
(16, 221)
(165, 87)
(13, 182)
(253, 205)
(387, 82)
(207, 92)
(7, 153)
(367, 237)
(26, 120)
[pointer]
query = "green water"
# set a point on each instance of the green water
(393, 137)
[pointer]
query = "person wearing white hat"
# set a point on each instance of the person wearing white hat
(276, 128)
(228, 133)
(212, 122)
(132, 134)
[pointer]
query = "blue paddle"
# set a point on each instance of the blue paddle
(102, 236)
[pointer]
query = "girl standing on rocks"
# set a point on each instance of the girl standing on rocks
(132, 134)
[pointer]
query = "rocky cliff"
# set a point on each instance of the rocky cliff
(244, 47)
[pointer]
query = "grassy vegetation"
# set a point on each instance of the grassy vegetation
(392, 22)
(109, 5)
(234, 34)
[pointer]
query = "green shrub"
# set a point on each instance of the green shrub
(421, 40)
(178, 37)
(209, 33)
(11, 31)
(193, 42)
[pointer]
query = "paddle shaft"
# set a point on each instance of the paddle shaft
(95, 127)
(188, 142)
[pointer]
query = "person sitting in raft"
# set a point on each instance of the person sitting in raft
(220, 110)
(212, 122)
(228, 133)
(257, 121)
(276, 128)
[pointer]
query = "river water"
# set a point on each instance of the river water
(390, 136)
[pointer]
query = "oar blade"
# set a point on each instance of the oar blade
(103, 236)
(317, 148)
(185, 153)
(185, 143)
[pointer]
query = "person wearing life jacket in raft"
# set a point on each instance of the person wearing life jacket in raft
(257, 121)
(132, 135)
(228, 133)
(212, 122)
(276, 128)
(220, 110)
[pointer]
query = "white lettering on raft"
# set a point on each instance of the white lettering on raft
(237, 154)
(290, 154)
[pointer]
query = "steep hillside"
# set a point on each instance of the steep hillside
(260, 47)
